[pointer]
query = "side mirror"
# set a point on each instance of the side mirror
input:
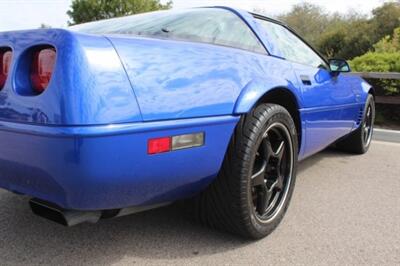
(339, 66)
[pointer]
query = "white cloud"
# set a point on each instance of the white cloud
(25, 14)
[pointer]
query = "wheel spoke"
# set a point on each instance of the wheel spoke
(366, 133)
(276, 184)
(279, 183)
(263, 199)
(271, 170)
(366, 129)
(280, 151)
(267, 148)
(258, 178)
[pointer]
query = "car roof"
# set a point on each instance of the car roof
(254, 14)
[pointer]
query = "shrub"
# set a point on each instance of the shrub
(380, 62)
(389, 44)
(377, 62)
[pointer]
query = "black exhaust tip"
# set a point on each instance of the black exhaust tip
(61, 216)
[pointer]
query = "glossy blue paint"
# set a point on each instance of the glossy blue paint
(107, 167)
(82, 143)
(330, 107)
(88, 87)
(166, 88)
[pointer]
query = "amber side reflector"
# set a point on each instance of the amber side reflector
(159, 145)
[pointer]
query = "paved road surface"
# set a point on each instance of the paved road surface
(345, 210)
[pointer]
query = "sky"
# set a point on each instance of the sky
(28, 14)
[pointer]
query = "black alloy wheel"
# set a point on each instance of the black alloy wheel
(253, 189)
(272, 172)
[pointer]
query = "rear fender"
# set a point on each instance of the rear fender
(256, 89)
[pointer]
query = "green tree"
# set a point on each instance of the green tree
(309, 20)
(335, 35)
(333, 42)
(389, 44)
(357, 40)
(345, 36)
(90, 10)
(385, 19)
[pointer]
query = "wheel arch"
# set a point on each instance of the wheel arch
(281, 95)
(372, 91)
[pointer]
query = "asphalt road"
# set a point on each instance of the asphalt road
(345, 210)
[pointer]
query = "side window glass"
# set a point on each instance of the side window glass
(290, 46)
(220, 27)
(206, 25)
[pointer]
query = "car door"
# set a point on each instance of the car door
(329, 106)
(328, 101)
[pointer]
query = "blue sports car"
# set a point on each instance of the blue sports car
(213, 106)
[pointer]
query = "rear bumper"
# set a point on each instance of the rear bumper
(107, 167)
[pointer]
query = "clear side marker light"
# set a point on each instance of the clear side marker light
(187, 141)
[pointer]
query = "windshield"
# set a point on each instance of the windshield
(208, 25)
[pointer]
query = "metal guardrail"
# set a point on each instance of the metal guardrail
(382, 75)
(378, 75)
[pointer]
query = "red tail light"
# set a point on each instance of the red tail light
(42, 68)
(5, 63)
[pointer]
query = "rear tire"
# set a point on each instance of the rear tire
(359, 141)
(254, 186)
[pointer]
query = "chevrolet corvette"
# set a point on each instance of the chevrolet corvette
(212, 106)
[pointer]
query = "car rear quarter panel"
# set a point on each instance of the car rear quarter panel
(175, 79)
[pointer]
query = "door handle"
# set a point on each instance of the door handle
(306, 80)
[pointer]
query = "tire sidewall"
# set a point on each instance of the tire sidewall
(370, 102)
(269, 117)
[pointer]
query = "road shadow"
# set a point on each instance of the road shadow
(164, 233)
